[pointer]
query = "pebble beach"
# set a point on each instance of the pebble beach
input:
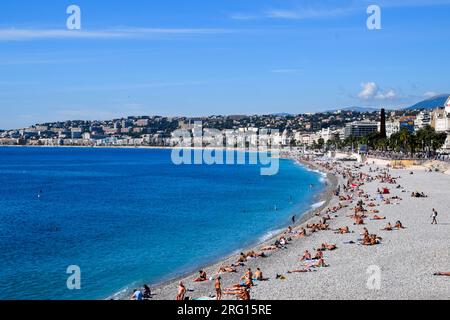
(401, 266)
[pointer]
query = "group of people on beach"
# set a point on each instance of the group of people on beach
(350, 196)
(141, 294)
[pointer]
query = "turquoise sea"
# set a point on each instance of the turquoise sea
(130, 216)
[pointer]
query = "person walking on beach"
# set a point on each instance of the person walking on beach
(218, 287)
(434, 216)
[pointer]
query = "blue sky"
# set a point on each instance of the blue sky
(205, 57)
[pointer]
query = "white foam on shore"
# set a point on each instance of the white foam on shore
(323, 175)
(119, 295)
(318, 205)
(269, 235)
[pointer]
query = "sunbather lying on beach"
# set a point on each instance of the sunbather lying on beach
(241, 293)
(225, 269)
(418, 195)
(342, 230)
(378, 218)
(301, 271)
(318, 227)
(269, 248)
(444, 274)
(371, 240)
(329, 247)
(253, 254)
(319, 264)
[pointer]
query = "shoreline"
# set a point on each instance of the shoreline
(406, 259)
(323, 198)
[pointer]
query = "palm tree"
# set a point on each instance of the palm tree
(404, 138)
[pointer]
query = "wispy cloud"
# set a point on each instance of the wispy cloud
(13, 34)
(410, 3)
(243, 16)
(305, 10)
(285, 71)
(308, 13)
(131, 86)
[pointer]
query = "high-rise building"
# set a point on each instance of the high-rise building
(423, 119)
(442, 122)
(360, 129)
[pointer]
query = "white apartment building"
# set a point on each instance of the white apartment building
(446, 124)
(423, 119)
(392, 127)
(307, 139)
(442, 123)
(328, 134)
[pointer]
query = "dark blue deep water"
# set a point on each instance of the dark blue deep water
(129, 216)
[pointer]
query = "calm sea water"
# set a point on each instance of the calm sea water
(129, 216)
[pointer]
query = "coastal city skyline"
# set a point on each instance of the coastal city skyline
(247, 154)
(228, 57)
(336, 129)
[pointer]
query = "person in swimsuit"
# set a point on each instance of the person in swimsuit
(306, 256)
(399, 225)
(218, 287)
(181, 291)
(388, 227)
(202, 276)
(258, 274)
(434, 217)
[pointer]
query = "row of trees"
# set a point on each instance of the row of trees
(425, 140)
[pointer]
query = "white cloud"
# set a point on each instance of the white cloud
(371, 91)
(390, 94)
(13, 34)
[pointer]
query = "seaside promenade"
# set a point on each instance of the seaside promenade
(401, 266)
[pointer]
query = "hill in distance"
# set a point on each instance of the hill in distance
(432, 103)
